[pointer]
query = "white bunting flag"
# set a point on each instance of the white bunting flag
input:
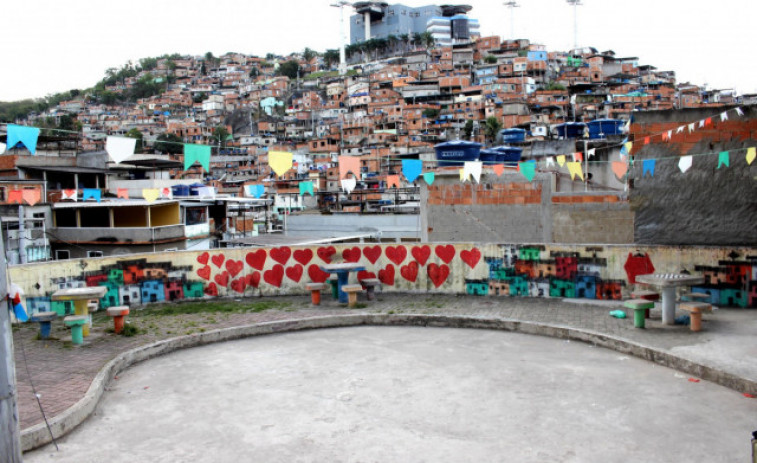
(680, 129)
(2, 148)
(724, 116)
(739, 112)
(348, 184)
(685, 163)
(550, 161)
(691, 127)
(591, 153)
(120, 148)
(473, 168)
(701, 123)
(670, 134)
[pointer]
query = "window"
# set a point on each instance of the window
(94, 253)
(62, 255)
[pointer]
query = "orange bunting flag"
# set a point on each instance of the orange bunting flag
(708, 121)
(14, 196)
(31, 197)
(392, 181)
(578, 156)
(499, 169)
(122, 193)
(349, 164)
(646, 140)
(666, 136)
(620, 169)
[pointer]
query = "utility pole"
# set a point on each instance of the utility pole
(576, 4)
(342, 58)
(10, 435)
(512, 5)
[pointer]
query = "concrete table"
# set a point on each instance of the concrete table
(80, 297)
(342, 272)
(667, 282)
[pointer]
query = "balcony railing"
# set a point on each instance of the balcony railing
(118, 235)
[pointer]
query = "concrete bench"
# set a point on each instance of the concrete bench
(45, 322)
(334, 282)
(370, 285)
(695, 310)
(76, 322)
(315, 292)
(639, 307)
(118, 313)
(352, 291)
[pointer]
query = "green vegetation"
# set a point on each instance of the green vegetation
(227, 306)
(130, 330)
(492, 128)
(431, 113)
(290, 69)
(490, 59)
(169, 143)
(554, 86)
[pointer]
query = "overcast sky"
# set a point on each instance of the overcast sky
(52, 45)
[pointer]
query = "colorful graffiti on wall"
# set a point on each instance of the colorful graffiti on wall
(531, 271)
(730, 283)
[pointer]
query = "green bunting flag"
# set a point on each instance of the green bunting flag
(724, 159)
(197, 153)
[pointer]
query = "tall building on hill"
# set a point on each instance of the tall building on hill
(448, 24)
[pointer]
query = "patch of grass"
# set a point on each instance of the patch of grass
(207, 307)
(130, 330)
(432, 304)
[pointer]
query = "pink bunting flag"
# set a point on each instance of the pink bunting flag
(122, 193)
(498, 169)
(619, 168)
(31, 197)
(349, 164)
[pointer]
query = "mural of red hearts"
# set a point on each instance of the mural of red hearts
(326, 253)
(211, 289)
(203, 258)
(396, 254)
(364, 275)
(421, 254)
(445, 253)
(351, 254)
(256, 259)
(204, 272)
(274, 276)
(372, 253)
(253, 279)
(218, 260)
(317, 275)
(387, 275)
(471, 257)
(437, 274)
(410, 271)
(222, 279)
(294, 272)
(281, 255)
(234, 267)
(238, 285)
(303, 256)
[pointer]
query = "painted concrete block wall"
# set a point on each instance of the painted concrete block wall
(494, 270)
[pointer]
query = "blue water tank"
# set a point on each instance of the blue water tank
(180, 190)
(513, 135)
(601, 128)
(570, 129)
(489, 156)
(457, 152)
(509, 155)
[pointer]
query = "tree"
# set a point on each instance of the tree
(492, 128)
(490, 59)
(169, 143)
(331, 57)
(136, 133)
(290, 69)
(308, 54)
(427, 39)
(468, 128)
(67, 122)
(220, 134)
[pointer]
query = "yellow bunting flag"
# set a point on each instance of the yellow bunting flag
(463, 175)
(150, 194)
(280, 161)
(561, 160)
(575, 170)
(628, 145)
(751, 153)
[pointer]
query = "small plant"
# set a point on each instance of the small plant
(130, 330)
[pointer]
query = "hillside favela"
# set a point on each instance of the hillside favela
(590, 215)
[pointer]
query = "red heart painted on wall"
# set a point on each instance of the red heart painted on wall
(274, 276)
(396, 254)
(253, 279)
(387, 275)
(471, 257)
(364, 275)
(421, 254)
(372, 253)
(218, 260)
(437, 274)
(211, 289)
(410, 271)
(281, 255)
(351, 254)
(238, 285)
(445, 253)
(234, 267)
(317, 275)
(326, 253)
(294, 273)
(256, 259)
(204, 272)
(203, 258)
(303, 256)
(222, 279)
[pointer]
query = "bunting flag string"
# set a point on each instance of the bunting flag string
(196, 153)
(120, 148)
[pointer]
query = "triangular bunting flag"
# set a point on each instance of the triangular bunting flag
(751, 153)
(578, 156)
(575, 170)
(550, 161)
(68, 194)
(210, 191)
(528, 169)
(411, 169)
(646, 140)
(498, 169)
(620, 169)
(348, 184)
(120, 148)
(15, 197)
(648, 166)
(2, 148)
(428, 177)
(626, 149)
(150, 194)
(463, 176)
(680, 129)
(724, 116)
(692, 127)
(31, 197)
(708, 122)
(349, 164)
(473, 168)
(122, 193)
(739, 112)
(685, 163)
(561, 160)
(723, 158)
(90, 193)
(591, 153)
(280, 161)
(392, 181)
(14, 295)
(26, 135)
(701, 123)
(306, 187)
(255, 191)
(197, 153)
(666, 136)
(166, 193)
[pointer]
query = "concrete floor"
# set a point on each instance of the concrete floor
(408, 394)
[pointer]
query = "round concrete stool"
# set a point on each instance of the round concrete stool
(44, 319)
(315, 292)
(334, 282)
(76, 322)
(118, 313)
